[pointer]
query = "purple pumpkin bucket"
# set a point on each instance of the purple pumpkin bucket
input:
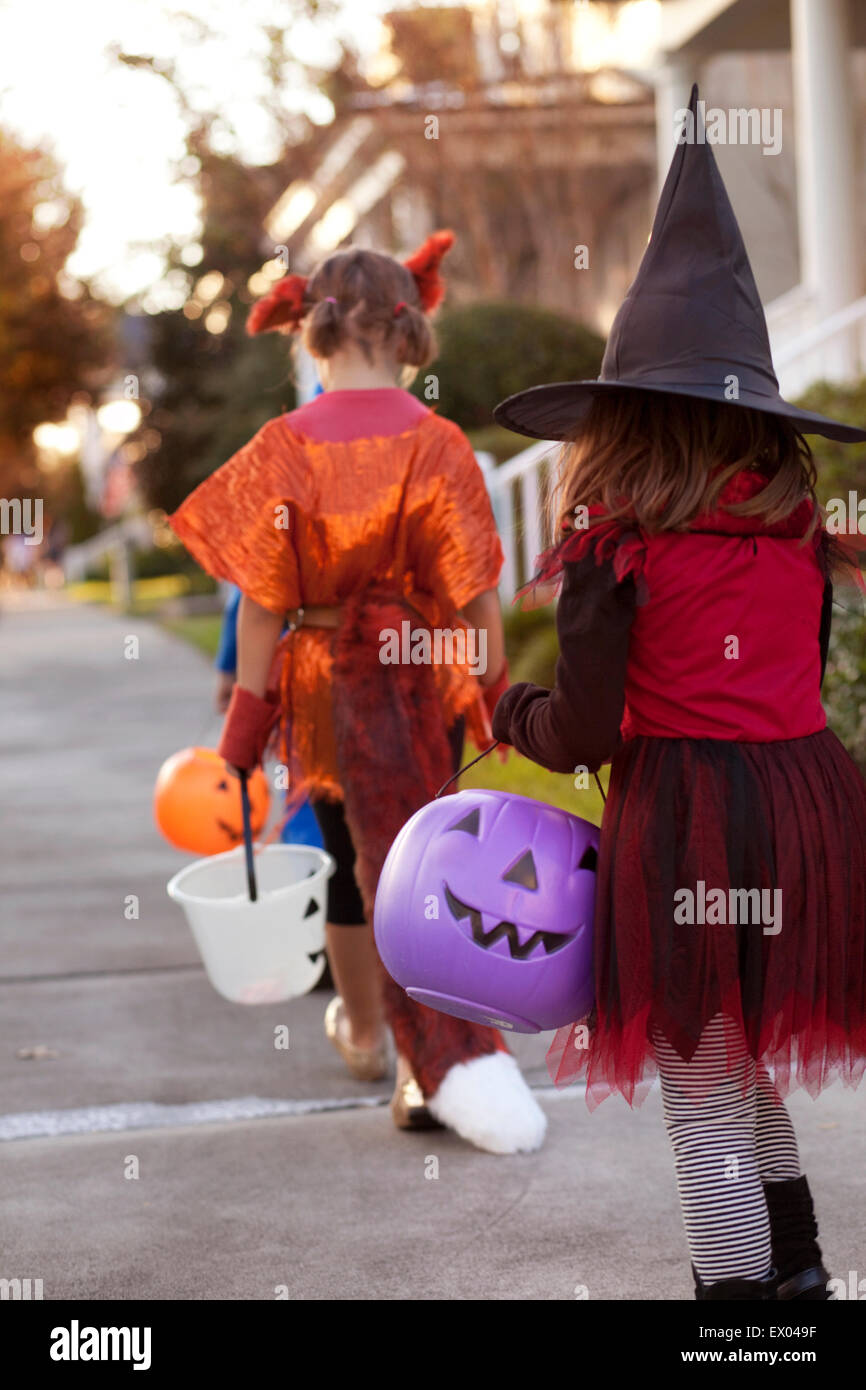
(484, 910)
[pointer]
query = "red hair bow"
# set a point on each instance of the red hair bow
(424, 267)
(282, 307)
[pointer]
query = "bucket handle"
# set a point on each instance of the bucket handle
(467, 766)
(248, 835)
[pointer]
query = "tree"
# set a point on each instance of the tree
(218, 386)
(55, 339)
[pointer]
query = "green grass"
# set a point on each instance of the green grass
(90, 591)
(147, 594)
(200, 630)
(526, 778)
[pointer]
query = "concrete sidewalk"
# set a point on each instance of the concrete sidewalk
(153, 1069)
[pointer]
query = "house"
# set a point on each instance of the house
(538, 127)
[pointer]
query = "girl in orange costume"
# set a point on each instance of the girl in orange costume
(364, 513)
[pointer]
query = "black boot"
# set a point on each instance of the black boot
(735, 1289)
(794, 1233)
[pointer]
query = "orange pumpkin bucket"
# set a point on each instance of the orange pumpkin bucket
(197, 805)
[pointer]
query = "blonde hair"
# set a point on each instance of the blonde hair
(663, 460)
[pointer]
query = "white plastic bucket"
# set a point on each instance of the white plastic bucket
(269, 950)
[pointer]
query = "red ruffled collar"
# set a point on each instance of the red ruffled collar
(622, 541)
(740, 488)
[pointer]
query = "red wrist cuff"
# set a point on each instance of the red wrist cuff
(247, 729)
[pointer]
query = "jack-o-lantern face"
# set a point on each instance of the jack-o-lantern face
(523, 941)
(197, 805)
(485, 910)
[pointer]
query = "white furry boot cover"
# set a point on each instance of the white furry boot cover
(487, 1102)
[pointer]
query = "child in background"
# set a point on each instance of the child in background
(356, 514)
(730, 947)
(226, 659)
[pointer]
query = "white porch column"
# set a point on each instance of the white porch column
(673, 84)
(830, 258)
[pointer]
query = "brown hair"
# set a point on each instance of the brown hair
(664, 459)
(369, 299)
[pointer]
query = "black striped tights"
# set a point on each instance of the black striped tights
(729, 1136)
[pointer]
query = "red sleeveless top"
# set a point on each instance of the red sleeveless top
(719, 637)
(726, 645)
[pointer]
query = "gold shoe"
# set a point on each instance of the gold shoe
(365, 1063)
(409, 1109)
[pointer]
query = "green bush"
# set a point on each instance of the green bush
(531, 644)
(842, 468)
(501, 443)
(845, 680)
(489, 351)
(99, 572)
(157, 561)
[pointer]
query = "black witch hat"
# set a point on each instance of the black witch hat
(692, 322)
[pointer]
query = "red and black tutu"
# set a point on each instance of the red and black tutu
(786, 817)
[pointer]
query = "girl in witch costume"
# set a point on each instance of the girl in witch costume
(696, 587)
(359, 514)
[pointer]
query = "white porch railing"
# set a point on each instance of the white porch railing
(834, 350)
(77, 560)
(518, 493)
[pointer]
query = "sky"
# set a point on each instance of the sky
(118, 133)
